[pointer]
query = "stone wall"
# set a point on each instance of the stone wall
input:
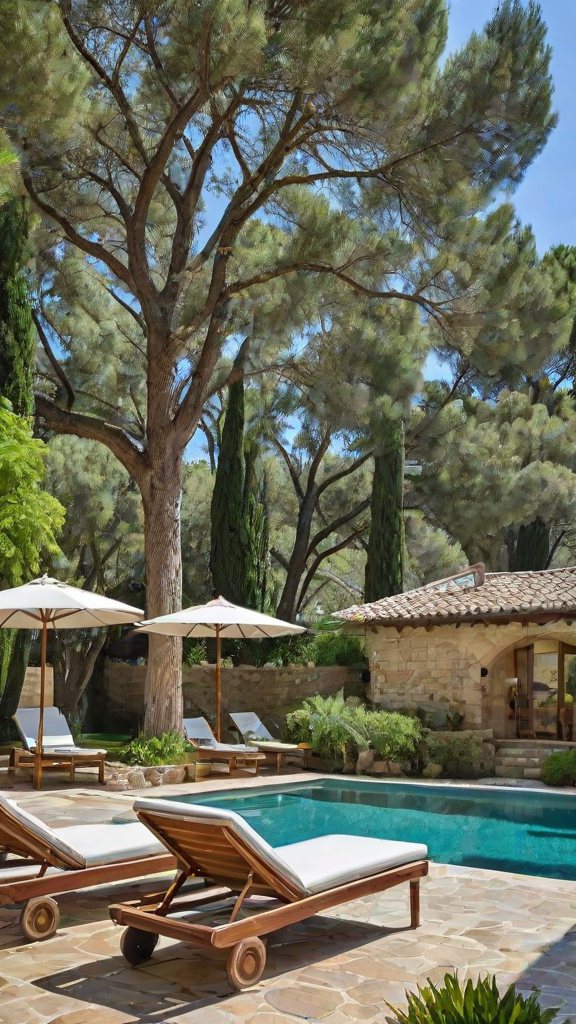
(443, 665)
(30, 696)
(245, 688)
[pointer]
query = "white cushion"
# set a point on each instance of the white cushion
(52, 839)
(250, 725)
(329, 861)
(274, 746)
(72, 751)
(203, 814)
(108, 844)
(56, 732)
(313, 864)
(198, 730)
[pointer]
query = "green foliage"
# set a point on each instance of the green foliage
(439, 719)
(432, 771)
(559, 768)
(29, 517)
(335, 648)
(337, 728)
(17, 340)
(193, 651)
(386, 542)
(239, 525)
(170, 748)
(459, 753)
(474, 1003)
(393, 736)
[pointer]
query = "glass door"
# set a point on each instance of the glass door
(566, 691)
(524, 672)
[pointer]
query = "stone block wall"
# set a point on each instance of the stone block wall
(442, 665)
(244, 688)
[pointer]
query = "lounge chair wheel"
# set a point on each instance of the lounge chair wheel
(137, 945)
(245, 963)
(39, 918)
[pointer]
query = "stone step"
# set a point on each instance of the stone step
(519, 762)
(526, 751)
(508, 773)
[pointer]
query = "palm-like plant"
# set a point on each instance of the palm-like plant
(479, 1003)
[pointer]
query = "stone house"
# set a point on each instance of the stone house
(500, 648)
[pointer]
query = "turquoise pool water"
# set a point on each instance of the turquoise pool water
(507, 830)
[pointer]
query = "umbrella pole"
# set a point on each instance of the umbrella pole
(218, 686)
(39, 738)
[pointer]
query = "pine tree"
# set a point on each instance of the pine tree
(296, 113)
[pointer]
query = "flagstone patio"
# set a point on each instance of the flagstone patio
(339, 967)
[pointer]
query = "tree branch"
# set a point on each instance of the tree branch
(62, 421)
(53, 360)
(336, 524)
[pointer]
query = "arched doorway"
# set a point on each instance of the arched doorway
(542, 696)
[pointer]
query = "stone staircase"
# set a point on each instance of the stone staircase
(522, 759)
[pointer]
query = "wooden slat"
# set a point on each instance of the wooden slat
(68, 881)
(270, 920)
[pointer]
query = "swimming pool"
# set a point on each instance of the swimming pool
(530, 832)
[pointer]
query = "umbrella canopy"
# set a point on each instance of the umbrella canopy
(220, 619)
(219, 616)
(61, 607)
(47, 604)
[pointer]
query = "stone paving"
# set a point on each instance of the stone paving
(340, 967)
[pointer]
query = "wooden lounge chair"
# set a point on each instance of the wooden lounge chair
(233, 755)
(254, 731)
(282, 885)
(58, 747)
(37, 862)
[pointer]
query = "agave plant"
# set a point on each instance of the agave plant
(479, 1003)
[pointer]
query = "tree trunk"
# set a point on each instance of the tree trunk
(14, 654)
(386, 543)
(162, 496)
(286, 609)
(74, 663)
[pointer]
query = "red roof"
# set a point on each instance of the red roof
(473, 595)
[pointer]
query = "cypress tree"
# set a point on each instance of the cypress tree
(532, 547)
(239, 524)
(16, 381)
(16, 326)
(227, 563)
(386, 543)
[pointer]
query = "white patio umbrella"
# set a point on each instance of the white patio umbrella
(47, 604)
(220, 619)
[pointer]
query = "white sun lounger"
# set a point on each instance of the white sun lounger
(234, 755)
(255, 732)
(38, 862)
(284, 885)
(58, 747)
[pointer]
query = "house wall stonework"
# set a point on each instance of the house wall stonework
(443, 665)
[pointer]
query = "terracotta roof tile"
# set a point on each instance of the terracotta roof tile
(493, 596)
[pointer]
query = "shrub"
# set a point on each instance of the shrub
(559, 769)
(193, 651)
(335, 648)
(331, 725)
(337, 728)
(459, 753)
(432, 771)
(170, 748)
(393, 736)
(439, 719)
(476, 1003)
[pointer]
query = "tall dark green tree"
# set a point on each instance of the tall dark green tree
(386, 541)
(16, 381)
(239, 535)
(17, 339)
